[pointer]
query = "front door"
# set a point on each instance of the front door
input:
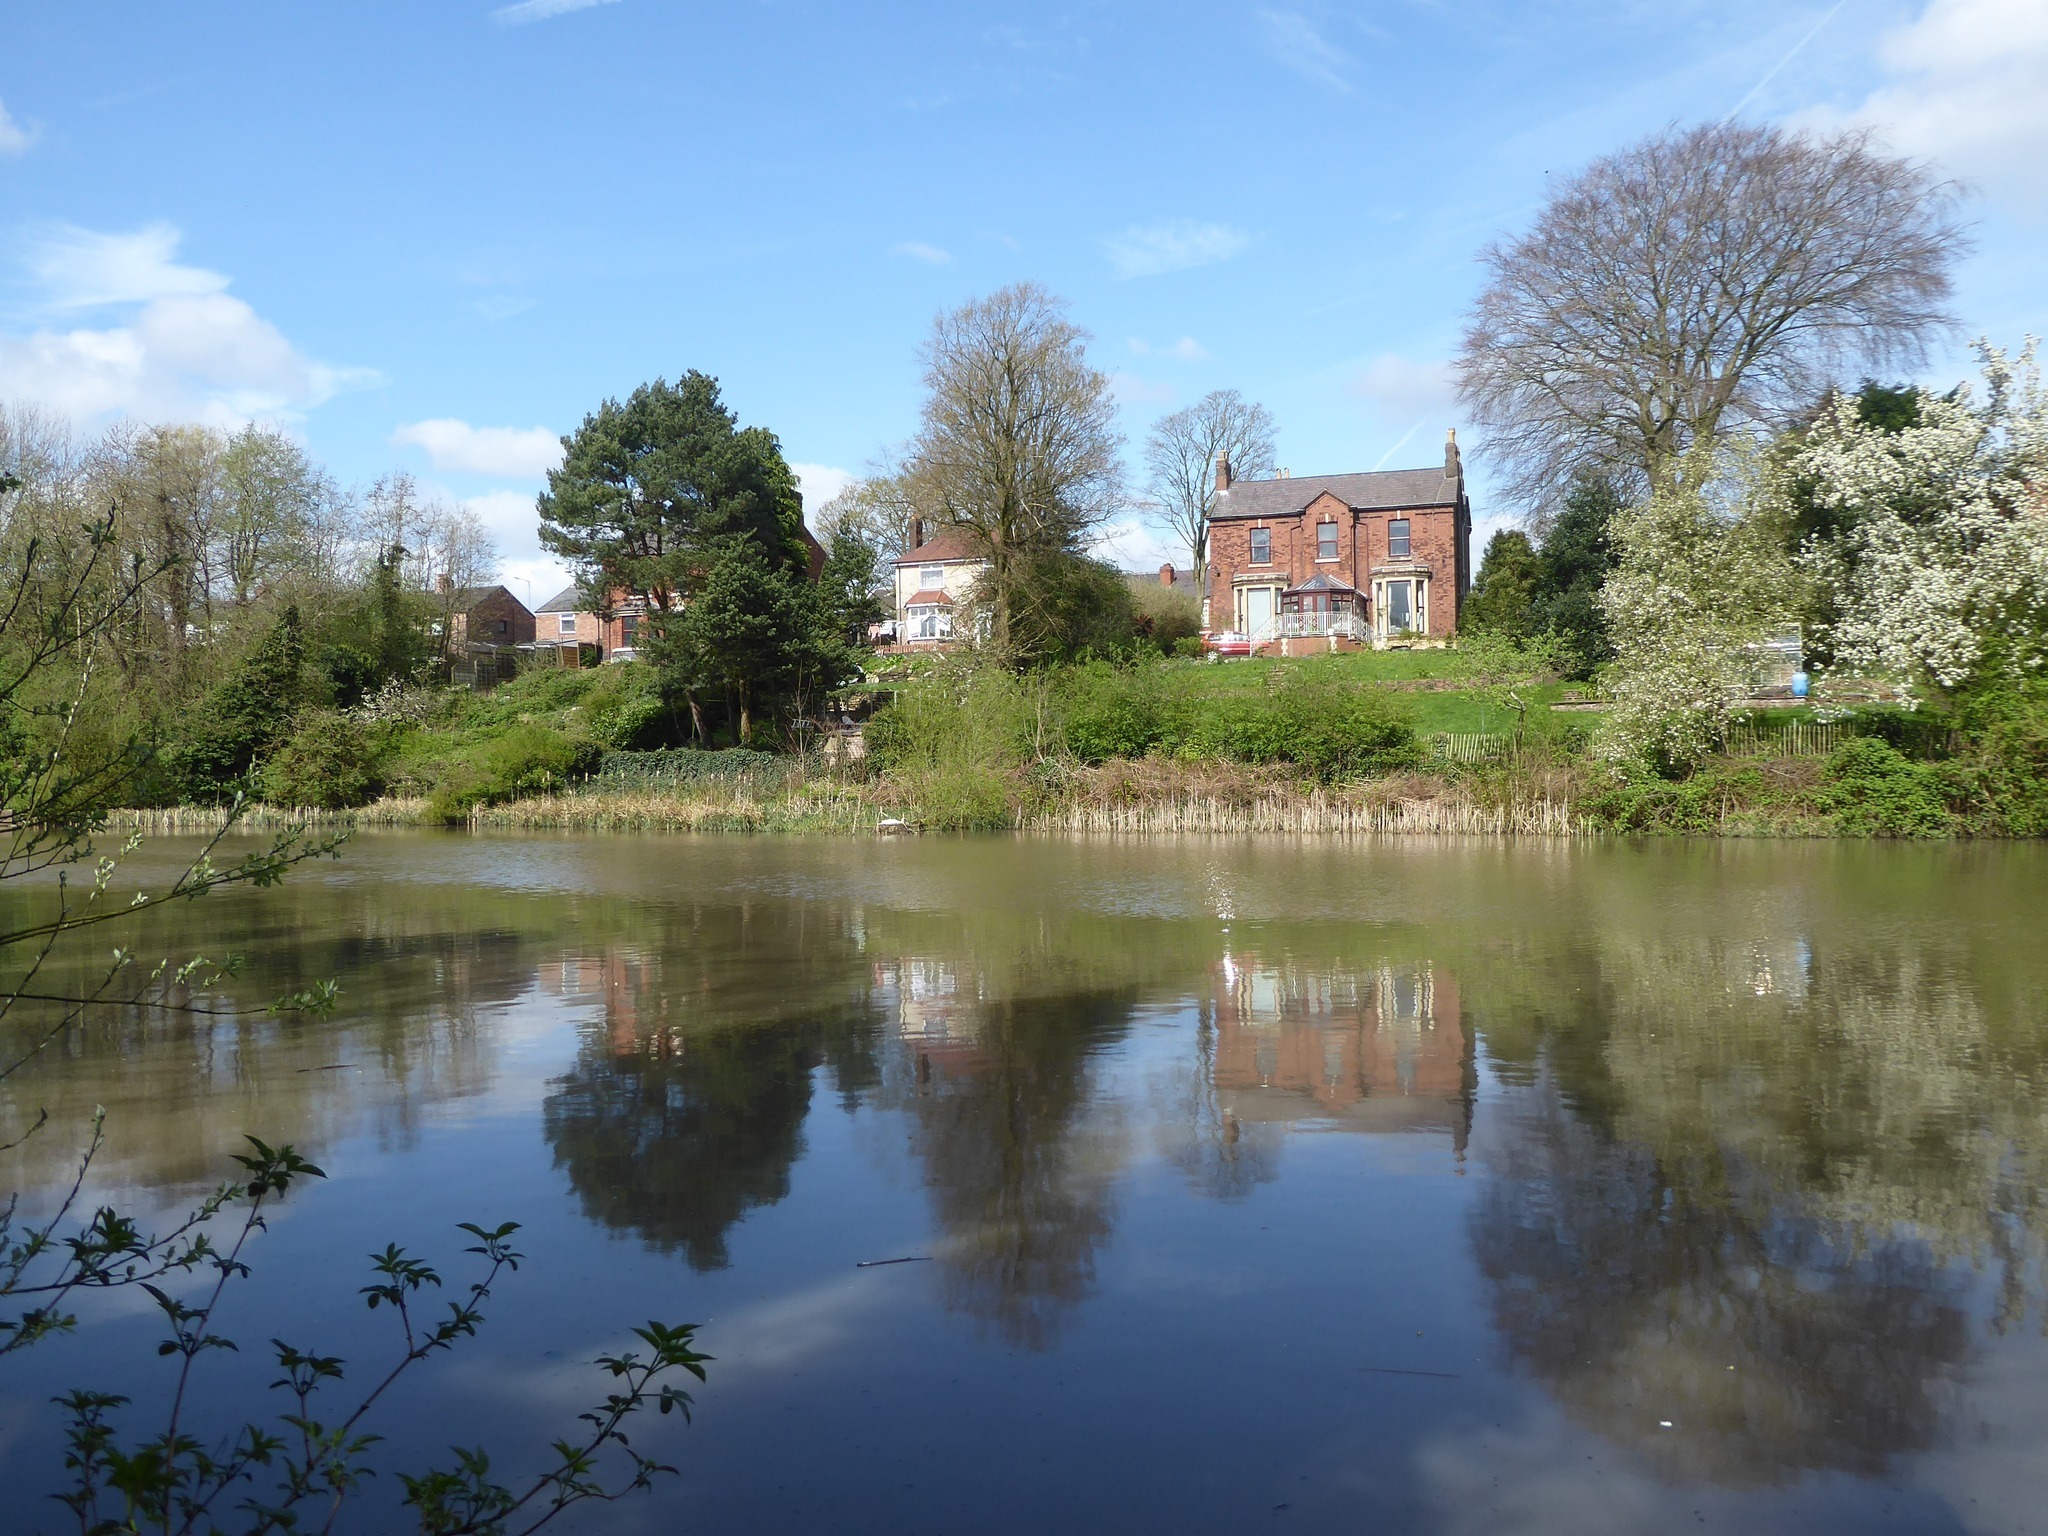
(1258, 613)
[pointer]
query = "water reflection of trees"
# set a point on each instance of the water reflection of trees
(1017, 1163)
(685, 1108)
(1745, 1186)
(181, 1086)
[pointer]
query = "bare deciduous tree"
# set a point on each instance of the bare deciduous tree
(1700, 282)
(1180, 460)
(1018, 443)
(875, 511)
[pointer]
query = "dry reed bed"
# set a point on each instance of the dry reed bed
(1154, 797)
(187, 820)
(702, 807)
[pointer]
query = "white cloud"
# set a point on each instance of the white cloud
(917, 250)
(1131, 389)
(820, 483)
(85, 269)
(1292, 40)
(1132, 545)
(501, 306)
(185, 348)
(1186, 350)
(514, 453)
(1966, 91)
(14, 139)
(1148, 250)
(528, 571)
(1403, 388)
(540, 10)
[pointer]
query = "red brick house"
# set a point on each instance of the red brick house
(486, 616)
(1334, 562)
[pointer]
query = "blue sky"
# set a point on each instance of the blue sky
(434, 235)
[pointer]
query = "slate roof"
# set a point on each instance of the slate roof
(463, 599)
(564, 601)
(946, 544)
(1383, 490)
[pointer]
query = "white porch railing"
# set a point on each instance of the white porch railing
(1344, 623)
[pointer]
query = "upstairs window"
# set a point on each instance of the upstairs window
(1262, 546)
(629, 632)
(1397, 539)
(568, 623)
(1326, 541)
(930, 578)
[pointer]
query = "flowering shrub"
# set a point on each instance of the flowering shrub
(1941, 573)
(1703, 576)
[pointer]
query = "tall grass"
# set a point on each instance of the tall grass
(186, 820)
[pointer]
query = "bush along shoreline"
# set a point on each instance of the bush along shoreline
(1337, 745)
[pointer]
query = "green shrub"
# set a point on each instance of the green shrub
(1166, 616)
(526, 760)
(244, 717)
(1645, 803)
(1110, 711)
(960, 714)
(1190, 648)
(2001, 777)
(1331, 729)
(1876, 791)
(960, 799)
(629, 711)
(1914, 732)
(329, 761)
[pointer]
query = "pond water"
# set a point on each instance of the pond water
(1427, 1186)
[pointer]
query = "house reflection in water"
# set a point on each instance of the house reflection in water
(936, 1021)
(626, 982)
(1377, 1049)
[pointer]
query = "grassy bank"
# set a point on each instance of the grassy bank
(1401, 742)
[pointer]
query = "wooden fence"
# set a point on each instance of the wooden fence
(1789, 738)
(1471, 746)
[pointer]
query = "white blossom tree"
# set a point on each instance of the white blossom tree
(1941, 577)
(1703, 579)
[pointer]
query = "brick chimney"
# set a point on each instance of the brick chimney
(1166, 575)
(916, 532)
(1222, 472)
(1453, 465)
(444, 583)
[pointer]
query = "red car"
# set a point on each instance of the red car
(1228, 642)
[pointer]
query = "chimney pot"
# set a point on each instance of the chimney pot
(1452, 463)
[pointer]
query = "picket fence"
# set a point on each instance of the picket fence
(1789, 738)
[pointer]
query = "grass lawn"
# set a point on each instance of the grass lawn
(1431, 711)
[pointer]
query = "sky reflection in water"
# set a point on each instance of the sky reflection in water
(1434, 1187)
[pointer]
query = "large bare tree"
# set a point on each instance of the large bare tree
(1018, 442)
(1705, 280)
(1180, 461)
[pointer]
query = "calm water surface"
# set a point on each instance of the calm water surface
(1433, 1187)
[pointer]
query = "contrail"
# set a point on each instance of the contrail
(1772, 74)
(1404, 441)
